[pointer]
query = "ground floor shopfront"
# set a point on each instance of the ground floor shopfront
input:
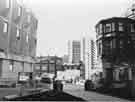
(11, 65)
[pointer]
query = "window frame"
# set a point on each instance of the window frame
(5, 27)
(108, 27)
(18, 35)
(120, 26)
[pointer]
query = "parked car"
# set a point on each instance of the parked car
(46, 82)
(58, 86)
(81, 82)
(88, 85)
(93, 84)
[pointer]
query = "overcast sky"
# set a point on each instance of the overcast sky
(63, 20)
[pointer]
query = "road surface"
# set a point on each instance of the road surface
(78, 91)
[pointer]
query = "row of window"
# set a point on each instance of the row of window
(19, 13)
(109, 27)
(112, 44)
(5, 30)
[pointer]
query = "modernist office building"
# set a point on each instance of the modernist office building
(74, 51)
(18, 29)
(88, 56)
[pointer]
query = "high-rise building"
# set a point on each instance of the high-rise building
(74, 51)
(65, 59)
(88, 56)
(18, 29)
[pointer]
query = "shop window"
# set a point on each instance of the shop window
(108, 28)
(120, 26)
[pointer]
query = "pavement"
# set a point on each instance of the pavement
(92, 96)
(18, 91)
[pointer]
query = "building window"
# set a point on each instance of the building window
(132, 28)
(7, 3)
(120, 26)
(100, 28)
(19, 11)
(113, 26)
(27, 38)
(18, 34)
(108, 28)
(11, 64)
(5, 27)
(28, 18)
(121, 44)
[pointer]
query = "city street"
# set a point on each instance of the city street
(78, 91)
(71, 92)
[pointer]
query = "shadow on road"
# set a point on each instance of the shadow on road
(49, 96)
(119, 93)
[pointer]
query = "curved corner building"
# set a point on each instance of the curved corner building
(116, 50)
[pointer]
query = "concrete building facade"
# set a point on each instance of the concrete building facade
(74, 51)
(18, 29)
(49, 64)
(88, 56)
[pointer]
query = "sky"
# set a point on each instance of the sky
(63, 20)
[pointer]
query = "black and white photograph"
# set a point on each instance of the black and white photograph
(67, 50)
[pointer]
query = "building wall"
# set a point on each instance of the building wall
(74, 51)
(88, 56)
(18, 48)
(4, 14)
(16, 19)
(11, 73)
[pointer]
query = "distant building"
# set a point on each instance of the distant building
(18, 41)
(65, 59)
(88, 56)
(74, 51)
(49, 64)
